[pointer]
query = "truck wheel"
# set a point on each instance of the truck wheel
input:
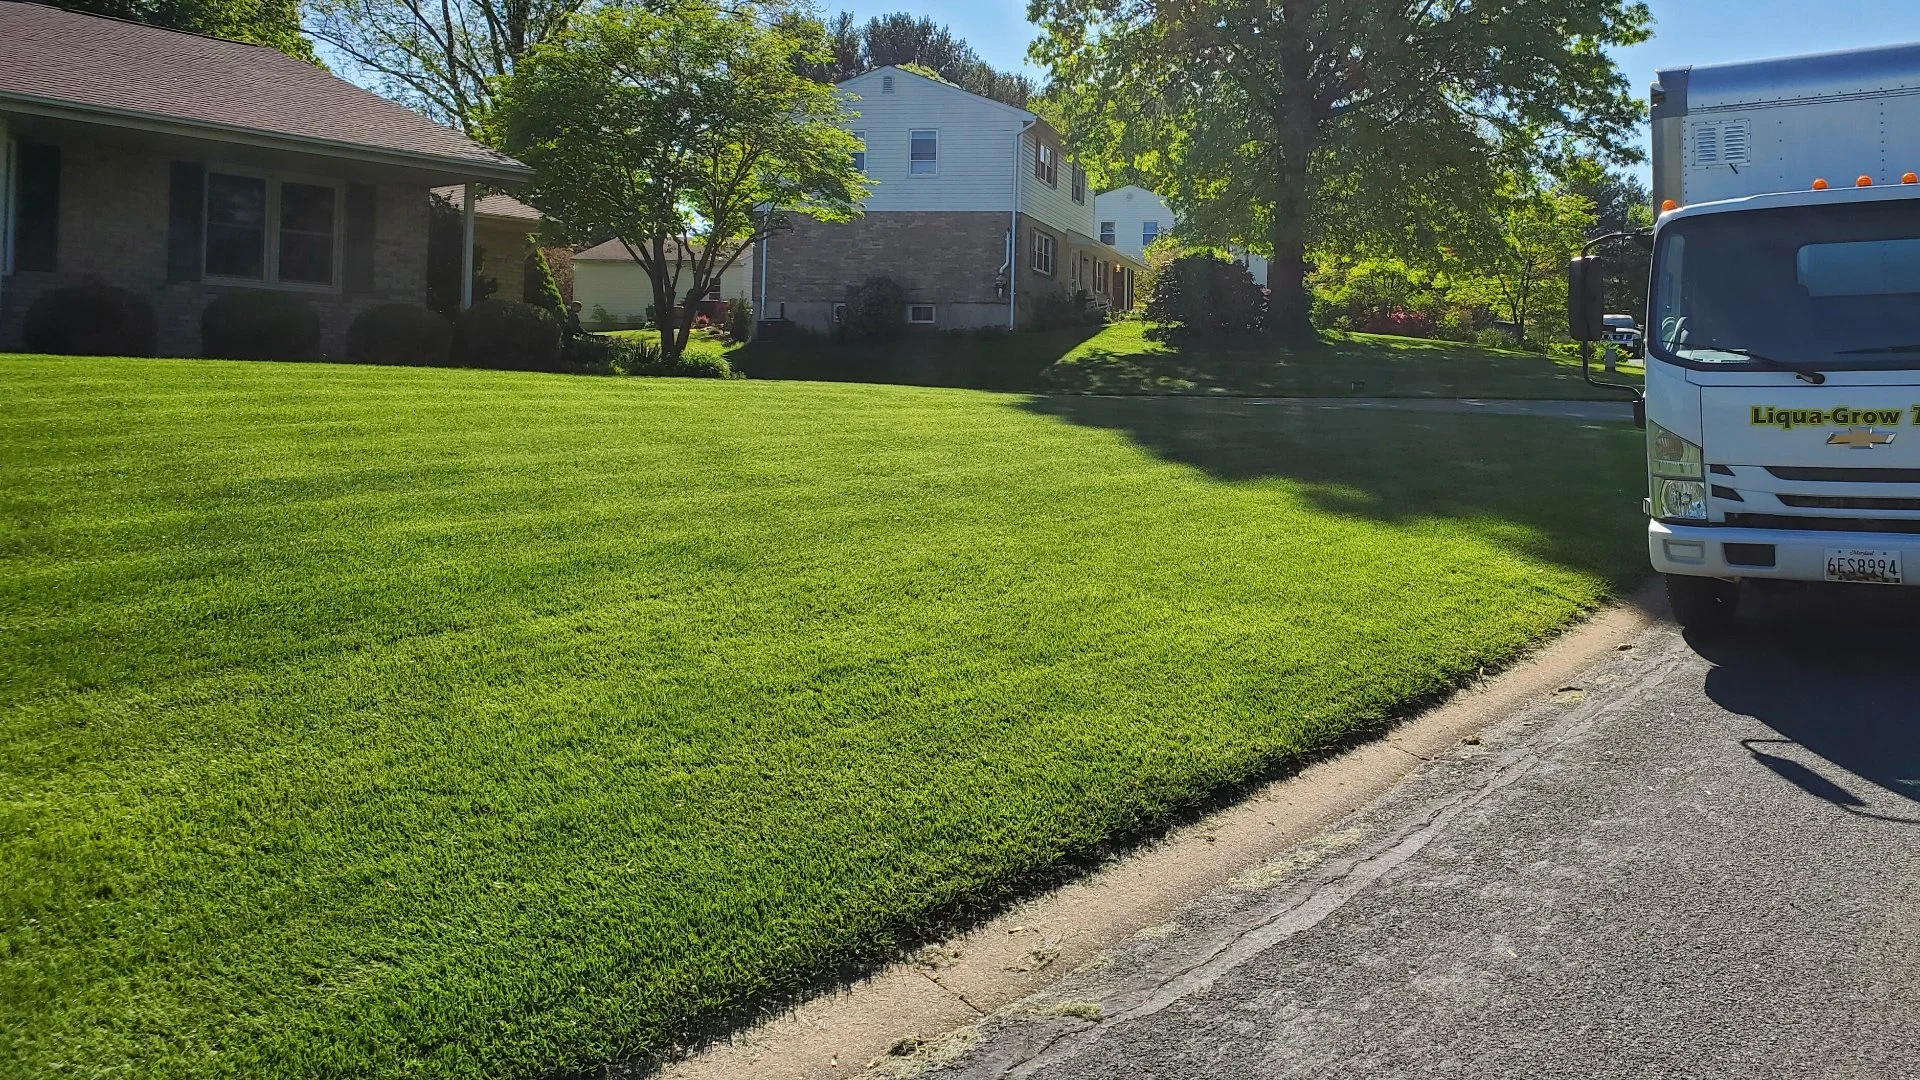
(1702, 603)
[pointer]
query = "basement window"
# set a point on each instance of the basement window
(920, 314)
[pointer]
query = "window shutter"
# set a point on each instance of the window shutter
(36, 223)
(358, 266)
(186, 215)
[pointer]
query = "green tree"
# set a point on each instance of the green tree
(441, 58)
(911, 40)
(273, 23)
(1271, 124)
(1519, 267)
(1621, 203)
(685, 130)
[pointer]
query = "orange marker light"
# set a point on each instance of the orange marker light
(1669, 205)
(1909, 178)
(1865, 181)
(1820, 185)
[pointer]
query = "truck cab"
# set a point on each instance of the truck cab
(1782, 394)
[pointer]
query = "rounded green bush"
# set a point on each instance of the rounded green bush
(260, 325)
(507, 335)
(400, 334)
(91, 320)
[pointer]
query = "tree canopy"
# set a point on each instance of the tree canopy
(903, 39)
(273, 23)
(1276, 124)
(442, 58)
(686, 130)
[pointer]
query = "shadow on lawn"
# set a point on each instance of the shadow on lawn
(971, 360)
(1561, 490)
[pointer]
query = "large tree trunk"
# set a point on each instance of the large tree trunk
(1289, 307)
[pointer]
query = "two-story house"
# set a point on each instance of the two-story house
(1131, 217)
(978, 211)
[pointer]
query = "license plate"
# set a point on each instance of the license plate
(1859, 564)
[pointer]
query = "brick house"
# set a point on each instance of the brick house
(182, 167)
(501, 226)
(977, 210)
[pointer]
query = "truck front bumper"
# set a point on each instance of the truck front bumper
(1797, 554)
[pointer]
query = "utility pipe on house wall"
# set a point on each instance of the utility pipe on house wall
(466, 247)
(1013, 223)
(765, 239)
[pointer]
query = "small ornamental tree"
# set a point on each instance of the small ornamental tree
(685, 130)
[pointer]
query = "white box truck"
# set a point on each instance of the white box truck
(1782, 397)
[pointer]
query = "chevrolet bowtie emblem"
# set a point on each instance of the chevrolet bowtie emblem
(1860, 438)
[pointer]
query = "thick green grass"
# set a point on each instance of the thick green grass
(382, 721)
(1122, 359)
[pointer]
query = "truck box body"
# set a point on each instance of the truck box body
(1728, 130)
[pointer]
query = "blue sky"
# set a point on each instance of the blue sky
(1685, 31)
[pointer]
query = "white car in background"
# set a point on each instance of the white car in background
(1624, 331)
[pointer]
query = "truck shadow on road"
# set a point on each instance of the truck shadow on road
(1833, 672)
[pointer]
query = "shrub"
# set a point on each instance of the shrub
(876, 310)
(1054, 309)
(1205, 296)
(260, 325)
(91, 320)
(1491, 338)
(1401, 322)
(399, 334)
(538, 287)
(739, 320)
(507, 335)
(631, 356)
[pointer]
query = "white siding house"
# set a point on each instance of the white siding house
(977, 210)
(1131, 217)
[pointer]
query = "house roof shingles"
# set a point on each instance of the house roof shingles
(493, 204)
(105, 65)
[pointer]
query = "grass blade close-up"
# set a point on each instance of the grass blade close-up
(413, 722)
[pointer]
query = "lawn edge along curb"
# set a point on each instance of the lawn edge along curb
(931, 1000)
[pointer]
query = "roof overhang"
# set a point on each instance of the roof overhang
(454, 169)
(1079, 239)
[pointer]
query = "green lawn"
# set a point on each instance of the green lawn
(697, 345)
(387, 721)
(1122, 359)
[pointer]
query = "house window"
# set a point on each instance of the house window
(1106, 233)
(272, 230)
(1044, 167)
(714, 293)
(920, 314)
(923, 153)
(1101, 277)
(860, 155)
(1149, 231)
(1079, 185)
(36, 206)
(1043, 253)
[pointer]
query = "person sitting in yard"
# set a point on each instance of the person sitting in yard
(574, 329)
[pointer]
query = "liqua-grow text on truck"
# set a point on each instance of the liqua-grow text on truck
(1782, 397)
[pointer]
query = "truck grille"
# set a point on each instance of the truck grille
(1825, 524)
(1847, 502)
(1845, 476)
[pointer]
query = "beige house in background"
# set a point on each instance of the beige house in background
(606, 279)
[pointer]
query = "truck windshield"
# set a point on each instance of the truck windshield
(1831, 287)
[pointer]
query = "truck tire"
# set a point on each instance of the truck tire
(1703, 604)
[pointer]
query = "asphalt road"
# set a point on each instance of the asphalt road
(1703, 859)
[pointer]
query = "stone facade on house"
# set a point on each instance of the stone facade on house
(113, 229)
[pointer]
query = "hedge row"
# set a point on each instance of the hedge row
(104, 320)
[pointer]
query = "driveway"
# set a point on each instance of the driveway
(1698, 859)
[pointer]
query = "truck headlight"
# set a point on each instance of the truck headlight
(1670, 455)
(1680, 500)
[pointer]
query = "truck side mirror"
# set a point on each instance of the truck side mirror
(1586, 300)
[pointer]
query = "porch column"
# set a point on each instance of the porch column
(466, 246)
(6, 208)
